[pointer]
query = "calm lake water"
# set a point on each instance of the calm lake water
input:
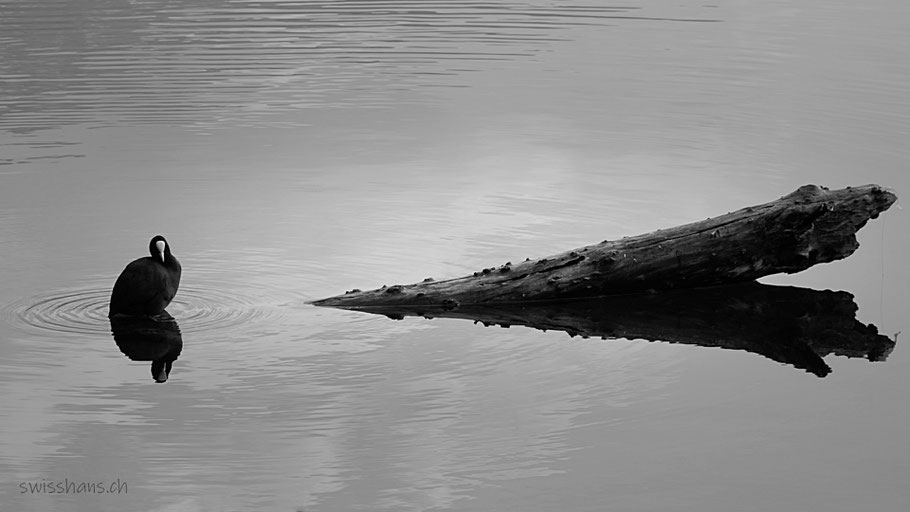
(293, 150)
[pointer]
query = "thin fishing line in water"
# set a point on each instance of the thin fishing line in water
(881, 293)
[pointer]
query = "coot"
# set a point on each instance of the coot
(146, 286)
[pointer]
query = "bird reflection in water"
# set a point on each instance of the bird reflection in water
(156, 339)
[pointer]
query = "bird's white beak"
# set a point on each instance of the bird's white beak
(160, 245)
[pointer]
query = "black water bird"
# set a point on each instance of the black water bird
(147, 285)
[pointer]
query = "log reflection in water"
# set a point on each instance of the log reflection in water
(795, 326)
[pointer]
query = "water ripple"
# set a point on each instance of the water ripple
(75, 311)
(160, 61)
(84, 311)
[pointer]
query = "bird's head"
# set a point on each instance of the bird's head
(159, 249)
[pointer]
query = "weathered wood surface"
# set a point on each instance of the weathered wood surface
(794, 326)
(809, 226)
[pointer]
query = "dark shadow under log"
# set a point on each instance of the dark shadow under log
(794, 326)
(809, 226)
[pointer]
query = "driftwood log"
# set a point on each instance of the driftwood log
(809, 226)
(793, 326)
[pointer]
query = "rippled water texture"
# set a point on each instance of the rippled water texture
(292, 150)
(166, 62)
(85, 311)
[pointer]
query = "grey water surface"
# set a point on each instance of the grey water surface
(291, 150)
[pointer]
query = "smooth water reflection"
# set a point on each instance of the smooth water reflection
(795, 326)
(292, 150)
(149, 339)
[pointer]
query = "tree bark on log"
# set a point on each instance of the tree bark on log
(809, 226)
(794, 326)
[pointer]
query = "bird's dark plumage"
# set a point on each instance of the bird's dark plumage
(147, 285)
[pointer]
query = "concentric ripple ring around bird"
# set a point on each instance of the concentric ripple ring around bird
(84, 310)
